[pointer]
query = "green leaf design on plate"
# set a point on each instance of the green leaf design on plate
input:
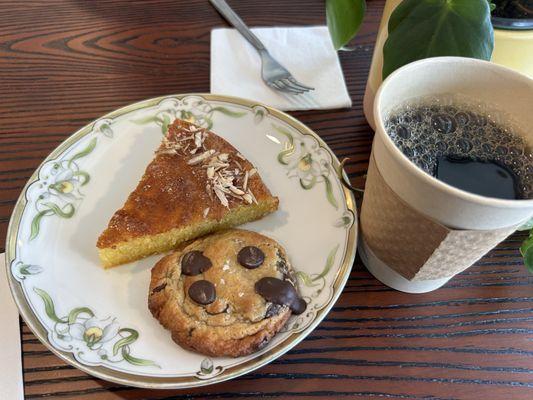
(329, 264)
(145, 120)
(186, 115)
(49, 306)
(228, 112)
(329, 192)
(85, 177)
(133, 335)
(24, 270)
(206, 366)
(306, 279)
(421, 29)
(77, 311)
(86, 151)
(310, 280)
(66, 212)
(105, 128)
(165, 124)
(344, 19)
(93, 334)
(36, 223)
(308, 185)
(288, 146)
(141, 362)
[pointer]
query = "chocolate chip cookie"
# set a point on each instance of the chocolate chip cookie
(226, 294)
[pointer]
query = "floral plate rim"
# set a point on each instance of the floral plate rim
(129, 379)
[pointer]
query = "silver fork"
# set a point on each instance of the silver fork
(273, 73)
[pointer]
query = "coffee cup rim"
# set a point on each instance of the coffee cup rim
(417, 171)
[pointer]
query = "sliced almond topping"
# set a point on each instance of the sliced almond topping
(253, 171)
(184, 139)
(169, 151)
(245, 182)
(222, 189)
(241, 156)
(223, 157)
(198, 139)
(248, 198)
(206, 211)
(198, 159)
(220, 165)
(253, 197)
(221, 196)
(235, 196)
(236, 190)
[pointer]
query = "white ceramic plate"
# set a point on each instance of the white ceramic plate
(97, 319)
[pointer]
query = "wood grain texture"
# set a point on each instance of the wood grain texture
(65, 63)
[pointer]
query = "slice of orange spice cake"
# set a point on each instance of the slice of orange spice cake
(196, 184)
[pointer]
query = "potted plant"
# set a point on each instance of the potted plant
(411, 30)
(513, 34)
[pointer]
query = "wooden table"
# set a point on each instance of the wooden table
(65, 63)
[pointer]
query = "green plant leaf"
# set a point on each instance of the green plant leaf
(77, 311)
(431, 28)
(344, 19)
(329, 263)
(49, 306)
(527, 252)
(87, 150)
(36, 222)
(329, 192)
(229, 113)
(132, 337)
(66, 212)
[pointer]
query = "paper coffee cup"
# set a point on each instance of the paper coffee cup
(511, 93)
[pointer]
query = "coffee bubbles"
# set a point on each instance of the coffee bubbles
(428, 130)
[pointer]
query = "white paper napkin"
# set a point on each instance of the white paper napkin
(11, 384)
(306, 52)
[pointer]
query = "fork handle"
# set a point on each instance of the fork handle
(227, 12)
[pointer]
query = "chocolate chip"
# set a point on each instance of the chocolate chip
(159, 288)
(251, 257)
(276, 291)
(298, 306)
(194, 263)
(202, 292)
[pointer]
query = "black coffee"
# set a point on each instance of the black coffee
(464, 148)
